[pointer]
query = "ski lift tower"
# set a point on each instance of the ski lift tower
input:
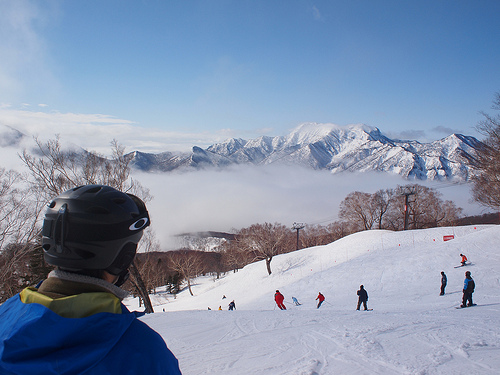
(407, 193)
(298, 227)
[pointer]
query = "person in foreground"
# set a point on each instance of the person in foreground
(75, 322)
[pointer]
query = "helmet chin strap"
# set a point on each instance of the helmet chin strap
(122, 278)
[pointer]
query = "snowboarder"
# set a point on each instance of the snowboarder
(464, 259)
(232, 305)
(469, 286)
(90, 234)
(362, 297)
(320, 299)
(295, 301)
(279, 298)
(444, 281)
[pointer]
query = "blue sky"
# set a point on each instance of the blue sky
(184, 73)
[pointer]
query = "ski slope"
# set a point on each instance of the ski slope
(412, 330)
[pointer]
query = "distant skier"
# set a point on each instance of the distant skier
(320, 299)
(279, 298)
(444, 281)
(464, 259)
(232, 305)
(362, 297)
(295, 301)
(469, 286)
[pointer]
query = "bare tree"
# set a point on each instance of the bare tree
(359, 208)
(486, 188)
(427, 209)
(386, 207)
(187, 263)
(265, 241)
(19, 209)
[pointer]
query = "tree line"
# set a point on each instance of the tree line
(52, 170)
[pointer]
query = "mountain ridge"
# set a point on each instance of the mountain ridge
(354, 148)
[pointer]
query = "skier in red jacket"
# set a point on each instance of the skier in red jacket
(320, 299)
(278, 297)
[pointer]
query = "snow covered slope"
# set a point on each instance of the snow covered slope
(412, 330)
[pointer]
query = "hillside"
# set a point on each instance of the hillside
(412, 330)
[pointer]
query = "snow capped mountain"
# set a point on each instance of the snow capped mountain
(9, 137)
(355, 148)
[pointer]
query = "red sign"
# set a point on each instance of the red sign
(447, 238)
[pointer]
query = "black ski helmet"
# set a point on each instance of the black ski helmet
(93, 227)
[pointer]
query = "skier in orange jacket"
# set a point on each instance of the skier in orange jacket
(464, 259)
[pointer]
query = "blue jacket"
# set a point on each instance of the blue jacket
(36, 340)
(469, 285)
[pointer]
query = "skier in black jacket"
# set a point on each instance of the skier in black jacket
(363, 297)
(444, 281)
(469, 286)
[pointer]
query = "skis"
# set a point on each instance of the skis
(463, 265)
(460, 307)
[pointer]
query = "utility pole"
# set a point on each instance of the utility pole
(298, 227)
(407, 193)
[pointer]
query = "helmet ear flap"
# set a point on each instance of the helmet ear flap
(124, 259)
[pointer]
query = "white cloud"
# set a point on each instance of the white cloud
(96, 131)
(316, 13)
(239, 197)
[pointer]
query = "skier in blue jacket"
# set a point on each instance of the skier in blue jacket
(469, 286)
(74, 322)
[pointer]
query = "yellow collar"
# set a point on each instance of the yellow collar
(75, 306)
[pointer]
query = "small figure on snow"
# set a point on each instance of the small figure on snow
(220, 308)
(295, 301)
(279, 298)
(224, 296)
(320, 299)
(444, 281)
(232, 306)
(464, 259)
(469, 286)
(362, 297)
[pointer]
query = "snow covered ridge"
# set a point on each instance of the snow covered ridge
(354, 148)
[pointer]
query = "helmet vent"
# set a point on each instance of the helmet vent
(83, 253)
(93, 190)
(119, 200)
